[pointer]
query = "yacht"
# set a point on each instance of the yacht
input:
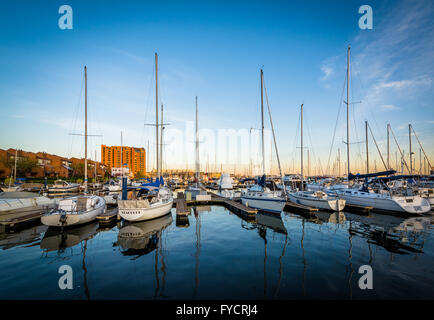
(75, 211)
(317, 199)
(153, 200)
(14, 205)
(61, 186)
(264, 195)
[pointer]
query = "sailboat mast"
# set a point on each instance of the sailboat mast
(301, 138)
(367, 151)
(161, 140)
(348, 107)
(85, 129)
(410, 153)
(262, 120)
(388, 146)
(15, 166)
(197, 146)
(156, 117)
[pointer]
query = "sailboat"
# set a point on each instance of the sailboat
(79, 209)
(197, 191)
(317, 199)
(263, 196)
(385, 200)
(161, 202)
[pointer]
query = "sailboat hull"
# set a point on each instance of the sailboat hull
(324, 204)
(270, 204)
(142, 214)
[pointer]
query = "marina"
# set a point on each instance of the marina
(287, 257)
(199, 151)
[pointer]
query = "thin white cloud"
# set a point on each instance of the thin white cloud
(389, 107)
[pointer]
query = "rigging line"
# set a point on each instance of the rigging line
(274, 137)
(420, 144)
(336, 124)
(310, 140)
(381, 156)
(399, 148)
(74, 123)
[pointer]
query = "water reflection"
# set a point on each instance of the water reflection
(56, 240)
(24, 237)
(224, 255)
(140, 238)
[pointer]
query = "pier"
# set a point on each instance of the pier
(182, 205)
(109, 216)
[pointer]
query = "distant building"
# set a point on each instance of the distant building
(49, 165)
(132, 158)
(117, 172)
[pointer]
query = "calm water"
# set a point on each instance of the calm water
(215, 254)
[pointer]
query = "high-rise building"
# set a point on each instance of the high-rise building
(132, 158)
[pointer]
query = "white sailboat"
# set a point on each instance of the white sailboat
(80, 209)
(261, 196)
(162, 200)
(384, 200)
(318, 199)
(226, 187)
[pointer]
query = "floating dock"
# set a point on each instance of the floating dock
(109, 216)
(299, 208)
(358, 209)
(15, 222)
(181, 205)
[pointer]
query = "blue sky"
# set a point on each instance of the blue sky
(214, 49)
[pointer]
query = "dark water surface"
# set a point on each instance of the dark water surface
(214, 254)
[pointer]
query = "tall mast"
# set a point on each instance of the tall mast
(15, 166)
(367, 150)
(197, 146)
(95, 166)
(348, 107)
(156, 117)
(262, 120)
(301, 138)
(339, 162)
(388, 146)
(85, 129)
(410, 152)
(122, 157)
(161, 140)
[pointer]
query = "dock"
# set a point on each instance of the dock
(358, 209)
(181, 205)
(299, 208)
(15, 222)
(109, 216)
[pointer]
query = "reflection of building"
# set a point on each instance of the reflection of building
(132, 158)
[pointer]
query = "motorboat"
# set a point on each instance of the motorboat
(61, 186)
(75, 211)
(14, 205)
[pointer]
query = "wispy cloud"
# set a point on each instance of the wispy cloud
(389, 107)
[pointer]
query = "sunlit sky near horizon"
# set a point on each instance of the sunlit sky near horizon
(214, 50)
